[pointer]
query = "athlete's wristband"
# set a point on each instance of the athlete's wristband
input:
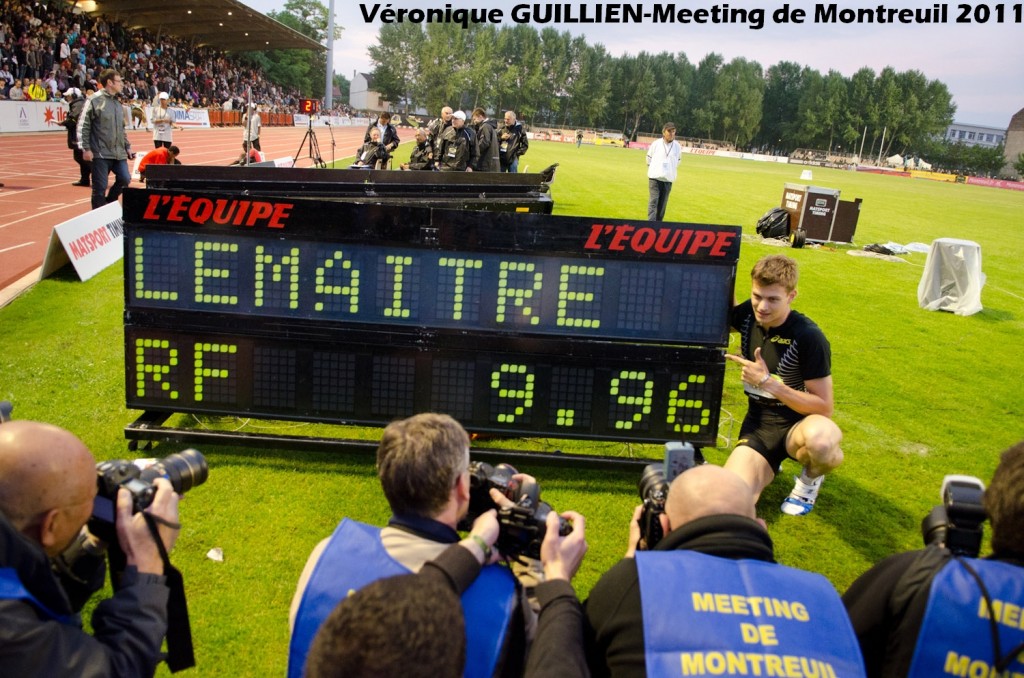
(767, 376)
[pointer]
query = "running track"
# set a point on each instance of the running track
(37, 170)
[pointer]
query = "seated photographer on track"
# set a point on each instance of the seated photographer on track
(412, 625)
(48, 480)
(372, 154)
(424, 468)
(925, 613)
(709, 593)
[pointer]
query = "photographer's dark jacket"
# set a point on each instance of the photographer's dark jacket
(887, 607)
(422, 157)
(487, 147)
(458, 150)
(41, 634)
(388, 138)
(614, 630)
(71, 122)
(512, 143)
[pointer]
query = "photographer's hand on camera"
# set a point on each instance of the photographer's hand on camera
(133, 532)
(635, 535)
(482, 537)
(561, 556)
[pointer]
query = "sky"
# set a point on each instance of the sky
(982, 64)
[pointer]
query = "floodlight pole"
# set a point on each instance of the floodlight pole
(329, 90)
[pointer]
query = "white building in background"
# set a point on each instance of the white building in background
(363, 97)
(975, 135)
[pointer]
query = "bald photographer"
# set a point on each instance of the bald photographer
(48, 483)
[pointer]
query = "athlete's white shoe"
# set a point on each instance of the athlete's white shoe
(801, 500)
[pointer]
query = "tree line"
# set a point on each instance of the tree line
(552, 78)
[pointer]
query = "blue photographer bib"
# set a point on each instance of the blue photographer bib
(354, 557)
(956, 633)
(11, 588)
(708, 616)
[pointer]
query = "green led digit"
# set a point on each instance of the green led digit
(202, 374)
(568, 295)
(459, 289)
(338, 262)
(517, 296)
(146, 370)
(202, 272)
(679, 406)
(397, 308)
(520, 396)
(140, 275)
(289, 263)
(565, 417)
(642, 403)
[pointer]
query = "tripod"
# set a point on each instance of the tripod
(314, 148)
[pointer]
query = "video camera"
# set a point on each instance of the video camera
(654, 484)
(522, 526)
(956, 522)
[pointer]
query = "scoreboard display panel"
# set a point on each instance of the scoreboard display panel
(293, 308)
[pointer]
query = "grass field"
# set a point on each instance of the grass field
(918, 395)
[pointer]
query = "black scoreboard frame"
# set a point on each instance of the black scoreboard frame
(609, 329)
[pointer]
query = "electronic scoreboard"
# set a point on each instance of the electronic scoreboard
(515, 324)
(309, 106)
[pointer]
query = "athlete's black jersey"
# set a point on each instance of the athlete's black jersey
(796, 351)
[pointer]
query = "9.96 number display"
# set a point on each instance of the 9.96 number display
(514, 324)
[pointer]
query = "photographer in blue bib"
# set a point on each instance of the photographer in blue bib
(942, 610)
(708, 595)
(425, 471)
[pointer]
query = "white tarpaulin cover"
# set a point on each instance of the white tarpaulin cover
(952, 278)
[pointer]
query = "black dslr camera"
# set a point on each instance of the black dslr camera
(185, 470)
(522, 526)
(956, 522)
(653, 486)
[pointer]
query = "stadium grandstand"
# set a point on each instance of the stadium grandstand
(188, 49)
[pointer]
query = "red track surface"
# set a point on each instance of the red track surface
(38, 169)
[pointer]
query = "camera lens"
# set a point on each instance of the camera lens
(185, 470)
(652, 483)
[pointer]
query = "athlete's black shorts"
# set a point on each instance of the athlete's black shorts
(765, 429)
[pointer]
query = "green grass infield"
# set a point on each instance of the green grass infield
(918, 395)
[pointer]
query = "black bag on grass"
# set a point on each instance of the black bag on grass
(774, 224)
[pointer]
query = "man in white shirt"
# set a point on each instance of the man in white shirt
(663, 158)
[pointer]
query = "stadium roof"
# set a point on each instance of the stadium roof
(221, 24)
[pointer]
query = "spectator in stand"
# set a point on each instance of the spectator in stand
(16, 93)
(35, 91)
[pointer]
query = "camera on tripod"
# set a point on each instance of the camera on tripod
(653, 487)
(956, 522)
(523, 525)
